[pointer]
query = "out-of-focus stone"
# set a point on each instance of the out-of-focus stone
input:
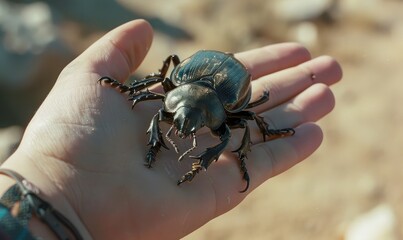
(9, 139)
(305, 33)
(377, 224)
(27, 28)
(296, 10)
(369, 14)
(26, 31)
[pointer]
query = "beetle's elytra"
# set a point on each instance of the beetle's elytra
(211, 89)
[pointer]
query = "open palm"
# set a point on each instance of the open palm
(90, 146)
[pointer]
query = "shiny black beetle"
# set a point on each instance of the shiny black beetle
(210, 89)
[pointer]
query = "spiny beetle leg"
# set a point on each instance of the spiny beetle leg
(155, 140)
(145, 95)
(245, 175)
(165, 66)
(264, 98)
(116, 84)
(145, 82)
(204, 161)
(196, 167)
(272, 133)
(136, 85)
(242, 153)
(152, 154)
(208, 156)
(166, 83)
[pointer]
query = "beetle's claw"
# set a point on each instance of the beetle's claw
(244, 170)
(151, 154)
(114, 83)
(196, 167)
(105, 79)
(148, 164)
(247, 179)
(182, 180)
(272, 133)
(188, 177)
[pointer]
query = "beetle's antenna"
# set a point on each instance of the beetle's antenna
(190, 149)
(170, 140)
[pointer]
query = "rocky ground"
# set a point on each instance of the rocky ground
(353, 180)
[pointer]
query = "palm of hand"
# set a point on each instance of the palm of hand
(106, 142)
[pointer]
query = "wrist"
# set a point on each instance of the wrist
(35, 226)
(49, 193)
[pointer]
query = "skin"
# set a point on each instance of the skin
(85, 147)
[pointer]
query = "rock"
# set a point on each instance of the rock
(306, 33)
(380, 223)
(26, 30)
(296, 10)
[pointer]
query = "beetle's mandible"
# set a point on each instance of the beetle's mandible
(209, 89)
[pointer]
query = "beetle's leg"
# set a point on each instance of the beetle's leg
(162, 72)
(135, 86)
(165, 65)
(155, 141)
(263, 126)
(147, 81)
(238, 120)
(243, 149)
(167, 83)
(115, 83)
(264, 98)
(208, 156)
(138, 85)
(145, 95)
(161, 75)
(271, 133)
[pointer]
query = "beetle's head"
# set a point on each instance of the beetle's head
(187, 120)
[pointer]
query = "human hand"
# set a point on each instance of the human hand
(85, 147)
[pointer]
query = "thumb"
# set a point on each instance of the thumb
(119, 52)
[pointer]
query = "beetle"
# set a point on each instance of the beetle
(209, 89)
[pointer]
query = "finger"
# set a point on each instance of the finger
(118, 53)
(269, 159)
(287, 83)
(273, 58)
(309, 106)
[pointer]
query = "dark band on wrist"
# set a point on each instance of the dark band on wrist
(30, 203)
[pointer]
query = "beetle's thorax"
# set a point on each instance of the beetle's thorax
(194, 107)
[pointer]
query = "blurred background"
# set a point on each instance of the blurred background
(351, 188)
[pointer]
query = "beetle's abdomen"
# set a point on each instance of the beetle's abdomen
(232, 84)
(222, 72)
